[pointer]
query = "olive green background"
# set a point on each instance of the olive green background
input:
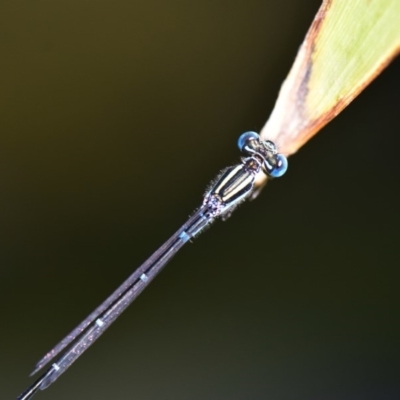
(114, 116)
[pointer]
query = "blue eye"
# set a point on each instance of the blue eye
(245, 137)
(281, 166)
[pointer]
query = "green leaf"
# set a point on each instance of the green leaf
(348, 44)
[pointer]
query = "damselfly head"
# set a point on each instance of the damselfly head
(273, 164)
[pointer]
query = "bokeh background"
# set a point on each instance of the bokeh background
(114, 116)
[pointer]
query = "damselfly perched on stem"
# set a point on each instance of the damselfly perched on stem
(232, 186)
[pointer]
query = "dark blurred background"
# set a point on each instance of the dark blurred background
(114, 116)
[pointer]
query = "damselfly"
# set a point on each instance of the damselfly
(232, 186)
